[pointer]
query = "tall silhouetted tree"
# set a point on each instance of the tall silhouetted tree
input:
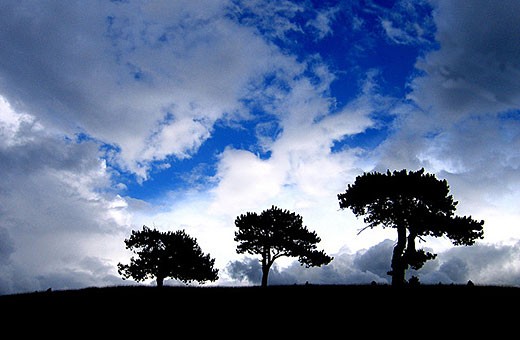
(166, 254)
(416, 204)
(276, 233)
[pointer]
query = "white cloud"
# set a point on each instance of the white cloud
(395, 34)
(181, 139)
(246, 181)
(322, 22)
(274, 19)
(153, 81)
(55, 208)
(408, 23)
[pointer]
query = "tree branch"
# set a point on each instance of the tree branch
(363, 229)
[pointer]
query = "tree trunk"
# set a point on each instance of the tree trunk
(410, 254)
(265, 274)
(398, 263)
(160, 281)
(266, 264)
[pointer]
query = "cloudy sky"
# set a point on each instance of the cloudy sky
(185, 114)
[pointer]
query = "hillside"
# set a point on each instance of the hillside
(293, 310)
(192, 297)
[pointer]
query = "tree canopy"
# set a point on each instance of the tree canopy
(166, 254)
(275, 233)
(415, 203)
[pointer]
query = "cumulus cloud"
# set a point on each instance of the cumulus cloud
(302, 174)
(345, 268)
(482, 264)
(6, 246)
(86, 272)
(126, 75)
(55, 206)
(150, 80)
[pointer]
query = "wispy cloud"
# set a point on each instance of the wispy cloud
(408, 23)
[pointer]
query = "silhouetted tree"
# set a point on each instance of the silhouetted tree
(276, 233)
(416, 204)
(166, 254)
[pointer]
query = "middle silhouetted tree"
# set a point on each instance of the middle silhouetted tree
(166, 254)
(275, 233)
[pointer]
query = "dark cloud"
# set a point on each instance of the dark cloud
(248, 269)
(42, 57)
(482, 264)
(6, 246)
(40, 151)
(87, 272)
(476, 67)
(344, 269)
(375, 259)
(455, 269)
(489, 263)
(48, 183)
(462, 121)
(76, 279)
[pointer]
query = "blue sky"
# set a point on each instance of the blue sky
(186, 114)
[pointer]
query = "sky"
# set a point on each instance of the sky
(185, 114)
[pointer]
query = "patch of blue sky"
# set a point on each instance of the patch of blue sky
(510, 115)
(359, 44)
(369, 139)
(354, 46)
(197, 171)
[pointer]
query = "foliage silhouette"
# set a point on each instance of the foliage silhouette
(276, 233)
(167, 254)
(416, 204)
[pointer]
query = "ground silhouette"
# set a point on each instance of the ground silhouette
(285, 311)
(316, 295)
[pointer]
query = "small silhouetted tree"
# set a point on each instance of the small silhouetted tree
(275, 233)
(166, 254)
(417, 204)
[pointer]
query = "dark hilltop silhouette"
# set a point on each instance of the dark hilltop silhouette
(307, 301)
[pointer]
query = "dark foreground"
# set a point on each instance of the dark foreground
(285, 296)
(377, 309)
